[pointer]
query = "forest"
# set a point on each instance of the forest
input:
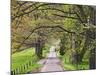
(36, 26)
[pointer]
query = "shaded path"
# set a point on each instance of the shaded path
(52, 63)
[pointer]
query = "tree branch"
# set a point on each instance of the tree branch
(30, 11)
(44, 27)
(20, 4)
(65, 12)
(74, 13)
(66, 16)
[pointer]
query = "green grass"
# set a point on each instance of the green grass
(33, 68)
(66, 63)
(23, 57)
(68, 66)
(84, 65)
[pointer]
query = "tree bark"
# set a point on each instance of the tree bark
(62, 50)
(39, 49)
(74, 52)
(92, 59)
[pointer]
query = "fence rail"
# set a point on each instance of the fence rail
(22, 68)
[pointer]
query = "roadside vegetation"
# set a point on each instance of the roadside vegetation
(26, 57)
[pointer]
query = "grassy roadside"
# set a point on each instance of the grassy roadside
(65, 60)
(21, 58)
(26, 57)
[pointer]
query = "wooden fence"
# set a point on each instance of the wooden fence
(22, 69)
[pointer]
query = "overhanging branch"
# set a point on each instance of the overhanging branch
(30, 10)
(44, 27)
(65, 16)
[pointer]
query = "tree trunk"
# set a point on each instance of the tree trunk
(39, 49)
(85, 48)
(74, 58)
(92, 59)
(74, 52)
(62, 50)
